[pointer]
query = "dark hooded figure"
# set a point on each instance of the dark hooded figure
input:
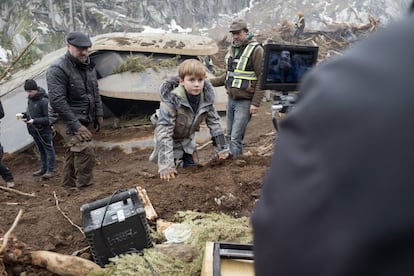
(5, 172)
(37, 120)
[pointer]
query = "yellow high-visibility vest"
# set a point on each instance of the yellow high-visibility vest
(238, 76)
(300, 21)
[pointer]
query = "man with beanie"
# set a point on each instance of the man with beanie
(76, 106)
(38, 126)
(4, 170)
(244, 66)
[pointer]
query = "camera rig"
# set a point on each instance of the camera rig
(282, 103)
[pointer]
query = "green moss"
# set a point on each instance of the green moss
(141, 63)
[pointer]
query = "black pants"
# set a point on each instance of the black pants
(188, 160)
(4, 170)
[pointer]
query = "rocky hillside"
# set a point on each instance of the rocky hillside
(50, 20)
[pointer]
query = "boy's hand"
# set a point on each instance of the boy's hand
(223, 154)
(168, 174)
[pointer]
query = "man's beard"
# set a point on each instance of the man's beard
(83, 59)
(238, 44)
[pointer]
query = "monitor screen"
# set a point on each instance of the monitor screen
(285, 65)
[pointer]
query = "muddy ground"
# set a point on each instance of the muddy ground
(236, 183)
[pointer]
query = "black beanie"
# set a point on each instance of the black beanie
(30, 85)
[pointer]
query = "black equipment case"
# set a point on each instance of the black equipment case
(115, 225)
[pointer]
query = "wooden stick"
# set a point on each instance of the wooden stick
(80, 251)
(17, 59)
(17, 191)
(66, 217)
(6, 236)
(61, 264)
(204, 145)
(112, 171)
(150, 212)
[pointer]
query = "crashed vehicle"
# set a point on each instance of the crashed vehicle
(152, 58)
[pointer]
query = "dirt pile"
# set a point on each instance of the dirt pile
(229, 187)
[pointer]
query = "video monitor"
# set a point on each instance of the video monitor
(285, 65)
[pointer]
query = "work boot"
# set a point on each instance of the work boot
(39, 173)
(70, 189)
(47, 175)
(10, 184)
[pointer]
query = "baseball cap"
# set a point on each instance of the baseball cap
(238, 24)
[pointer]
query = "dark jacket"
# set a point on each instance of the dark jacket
(255, 94)
(37, 109)
(73, 92)
(338, 197)
(1, 111)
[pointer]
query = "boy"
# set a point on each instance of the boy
(185, 103)
(38, 126)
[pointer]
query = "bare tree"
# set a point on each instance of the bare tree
(83, 11)
(6, 7)
(52, 14)
(72, 16)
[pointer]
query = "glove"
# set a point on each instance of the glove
(219, 141)
(84, 133)
(168, 174)
(221, 147)
(98, 123)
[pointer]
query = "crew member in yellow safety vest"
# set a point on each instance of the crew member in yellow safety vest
(241, 79)
(299, 25)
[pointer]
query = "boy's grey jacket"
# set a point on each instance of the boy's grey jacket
(177, 123)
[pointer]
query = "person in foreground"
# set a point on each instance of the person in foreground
(186, 101)
(338, 197)
(38, 126)
(244, 67)
(4, 170)
(75, 106)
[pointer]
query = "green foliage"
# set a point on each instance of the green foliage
(5, 41)
(130, 119)
(143, 264)
(140, 63)
(27, 60)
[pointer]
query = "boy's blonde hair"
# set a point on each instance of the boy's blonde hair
(192, 67)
